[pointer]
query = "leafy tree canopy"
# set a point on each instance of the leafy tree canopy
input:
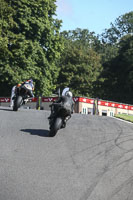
(123, 25)
(30, 44)
(80, 63)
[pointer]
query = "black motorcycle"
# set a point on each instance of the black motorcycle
(22, 95)
(59, 114)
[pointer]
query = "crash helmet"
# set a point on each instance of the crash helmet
(68, 94)
(30, 81)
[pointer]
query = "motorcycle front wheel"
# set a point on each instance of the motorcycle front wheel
(17, 103)
(55, 127)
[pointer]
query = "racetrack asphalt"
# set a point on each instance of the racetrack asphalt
(91, 159)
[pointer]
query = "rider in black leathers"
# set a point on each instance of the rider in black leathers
(67, 102)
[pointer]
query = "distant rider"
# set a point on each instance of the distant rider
(14, 90)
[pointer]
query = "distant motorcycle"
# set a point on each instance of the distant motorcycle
(23, 94)
(58, 118)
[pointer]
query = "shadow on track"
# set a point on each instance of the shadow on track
(6, 109)
(39, 132)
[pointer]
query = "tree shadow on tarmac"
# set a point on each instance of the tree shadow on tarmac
(39, 132)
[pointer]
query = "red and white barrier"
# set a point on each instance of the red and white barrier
(78, 99)
(106, 103)
(4, 100)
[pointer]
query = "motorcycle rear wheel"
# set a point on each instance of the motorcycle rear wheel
(55, 127)
(17, 103)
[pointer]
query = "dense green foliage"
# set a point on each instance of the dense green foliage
(30, 44)
(120, 72)
(80, 63)
(123, 25)
(100, 66)
(118, 68)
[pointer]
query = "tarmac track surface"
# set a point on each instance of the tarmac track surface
(91, 159)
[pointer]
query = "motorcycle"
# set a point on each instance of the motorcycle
(59, 115)
(23, 94)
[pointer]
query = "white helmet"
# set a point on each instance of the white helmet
(68, 94)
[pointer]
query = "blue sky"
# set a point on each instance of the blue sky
(94, 15)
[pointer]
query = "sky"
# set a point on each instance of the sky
(94, 15)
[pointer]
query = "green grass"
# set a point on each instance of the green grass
(125, 117)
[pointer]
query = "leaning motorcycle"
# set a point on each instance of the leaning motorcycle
(57, 119)
(22, 95)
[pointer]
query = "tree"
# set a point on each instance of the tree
(80, 63)
(118, 84)
(115, 45)
(123, 25)
(30, 44)
(124, 70)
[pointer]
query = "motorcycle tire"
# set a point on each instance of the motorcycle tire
(17, 103)
(55, 127)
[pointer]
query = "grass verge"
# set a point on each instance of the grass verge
(125, 117)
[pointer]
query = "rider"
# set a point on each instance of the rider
(68, 102)
(30, 82)
(14, 90)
